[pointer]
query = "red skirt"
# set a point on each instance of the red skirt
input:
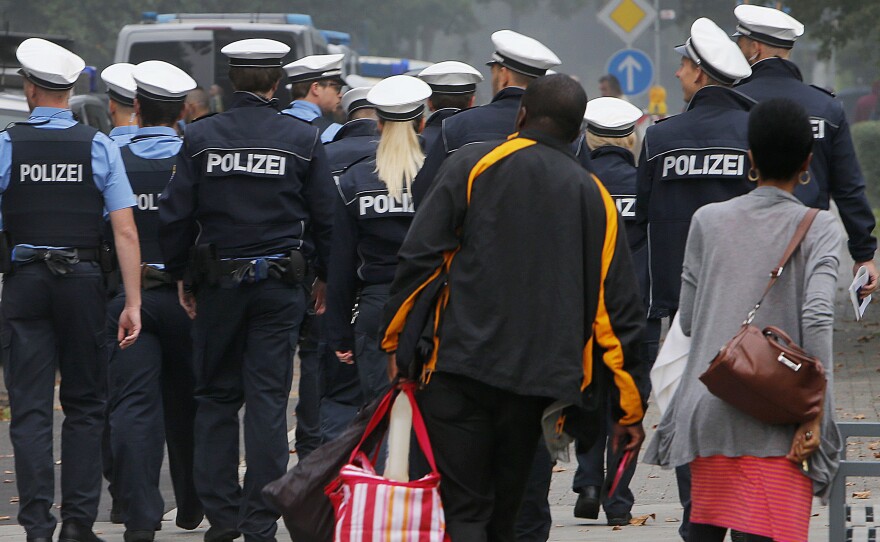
(767, 496)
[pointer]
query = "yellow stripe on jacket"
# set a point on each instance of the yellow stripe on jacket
(395, 328)
(603, 332)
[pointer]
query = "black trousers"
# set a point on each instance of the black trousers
(484, 440)
(370, 360)
(312, 355)
(151, 401)
(243, 346)
(54, 321)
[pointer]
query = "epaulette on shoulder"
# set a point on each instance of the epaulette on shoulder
(825, 90)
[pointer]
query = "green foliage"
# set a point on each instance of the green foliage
(835, 23)
(866, 138)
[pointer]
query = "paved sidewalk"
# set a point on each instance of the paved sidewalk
(857, 396)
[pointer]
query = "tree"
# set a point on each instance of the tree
(836, 23)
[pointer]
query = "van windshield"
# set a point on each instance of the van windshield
(203, 60)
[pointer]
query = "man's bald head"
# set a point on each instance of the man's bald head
(198, 104)
(553, 104)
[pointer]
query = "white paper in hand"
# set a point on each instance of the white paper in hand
(669, 367)
(859, 305)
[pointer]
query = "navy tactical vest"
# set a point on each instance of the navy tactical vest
(148, 177)
(52, 199)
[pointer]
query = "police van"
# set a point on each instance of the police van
(192, 41)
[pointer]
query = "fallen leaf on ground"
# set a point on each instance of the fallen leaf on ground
(653, 476)
(617, 528)
(58, 462)
(850, 484)
(13, 500)
(7, 481)
(642, 520)
(862, 494)
(815, 515)
(859, 417)
(874, 445)
(7, 472)
(559, 469)
(876, 455)
(672, 520)
(5, 518)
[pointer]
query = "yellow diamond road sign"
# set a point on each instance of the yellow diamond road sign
(627, 18)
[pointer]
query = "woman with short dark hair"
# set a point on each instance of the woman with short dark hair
(748, 475)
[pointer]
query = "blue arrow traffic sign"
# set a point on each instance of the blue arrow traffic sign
(633, 69)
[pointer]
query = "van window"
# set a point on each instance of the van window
(203, 60)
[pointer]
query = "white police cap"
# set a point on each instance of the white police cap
(522, 54)
(714, 52)
(161, 81)
(611, 117)
(355, 99)
(767, 25)
(451, 77)
(120, 84)
(48, 65)
(399, 98)
(315, 68)
(255, 53)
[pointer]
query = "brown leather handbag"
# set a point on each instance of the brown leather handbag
(764, 373)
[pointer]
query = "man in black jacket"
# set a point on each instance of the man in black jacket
(515, 337)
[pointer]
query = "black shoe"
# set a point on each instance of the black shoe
(587, 505)
(39, 539)
(189, 521)
(75, 532)
(219, 534)
(619, 521)
(116, 515)
(139, 536)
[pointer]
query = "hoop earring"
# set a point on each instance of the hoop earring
(753, 175)
(805, 177)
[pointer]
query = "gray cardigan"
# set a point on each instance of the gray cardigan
(731, 249)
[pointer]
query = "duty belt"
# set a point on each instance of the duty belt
(250, 271)
(59, 261)
(152, 278)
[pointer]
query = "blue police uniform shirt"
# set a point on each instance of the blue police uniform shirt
(155, 143)
(835, 170)
(121, 135)
(368, 229)
(107, 167)
(307, 111)
(687, 161)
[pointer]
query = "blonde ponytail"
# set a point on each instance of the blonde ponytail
(399, 157)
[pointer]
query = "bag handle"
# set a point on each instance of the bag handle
(796, 240)
(418, 422)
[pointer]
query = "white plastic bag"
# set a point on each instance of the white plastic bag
(669, 367)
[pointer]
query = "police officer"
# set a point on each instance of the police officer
(357, 139)
(315, 85)
(610, 134)
(120, 91)
(687, 161)
(57, 179)
(371, 221)
(517, 61)
(354, 143)
(766, 37)
(151, 383)
(252, 208)
(453, 87)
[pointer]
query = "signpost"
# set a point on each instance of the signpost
(627, 18)
(633, 69)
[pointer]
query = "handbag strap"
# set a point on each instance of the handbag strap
(795, 242)
(418, 423)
